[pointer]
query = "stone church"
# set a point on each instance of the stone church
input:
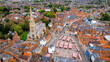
(37, 30)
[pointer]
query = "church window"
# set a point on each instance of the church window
(43, 30)
(29, 37)
(37, 37)
(33, 35)
(32, 30)
(33, 39)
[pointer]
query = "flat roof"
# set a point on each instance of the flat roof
(107, 37)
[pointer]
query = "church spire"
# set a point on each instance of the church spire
(31, 13)
(32, 22)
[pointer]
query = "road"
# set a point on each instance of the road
(51, 40)
(80, 47)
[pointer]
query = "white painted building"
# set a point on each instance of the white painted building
(51, 49)
(47, 9)
(43, 42)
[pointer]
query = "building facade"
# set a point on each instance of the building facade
(37, 30)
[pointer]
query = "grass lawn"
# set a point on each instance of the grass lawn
(59, 9)
(84, 8)
(23, 36)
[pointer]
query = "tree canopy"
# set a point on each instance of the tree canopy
(50, 14)
(18, 29)
(105, 16)
(41, 11)
(2, 8)
(1, 26)
(45, 21)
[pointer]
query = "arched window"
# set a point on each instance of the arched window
(33, 38)
(37, 37)
(32, 35)
(32, 30)
(43, 30)
(32, 27)
(29, 37)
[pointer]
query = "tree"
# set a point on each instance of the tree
(109, 23)
(88, 7)
(62, 8)
(21, 24)
(50, 14)
(12, 27)
(41, 11)
(26, 10)
(26, 7)
(50, 5)
(1, 26)
(82, 6)
(18, 29)
(5, 30)
(9, 24)
(45, 21)
(24, 25)
(54, 9)
(57, 5)
(67, 8)
(7, 19)
(2, 8)
(5, 36)
(10, 36)
(105, 17)
(101, 13)
(1, 35)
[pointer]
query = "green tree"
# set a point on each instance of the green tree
(5, 36)
(67, 8)
(62, 8)
(82, 6)
(26, 10)
(12, 27)
(9, 24)
(45, 21)
(41, 11)
(1, 26)
(50, 14)
(26, 7)
(50, 5)
(10, 36)
(1, 35)
(21, 24)
(54, 9)
(18, 29)
(5, 30)
(88, 7)
(2, 8)
(7, 19)
(57, 5)
(105, 17)
(24, 25)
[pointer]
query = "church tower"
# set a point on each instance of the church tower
(32, 25)
(36, 29)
